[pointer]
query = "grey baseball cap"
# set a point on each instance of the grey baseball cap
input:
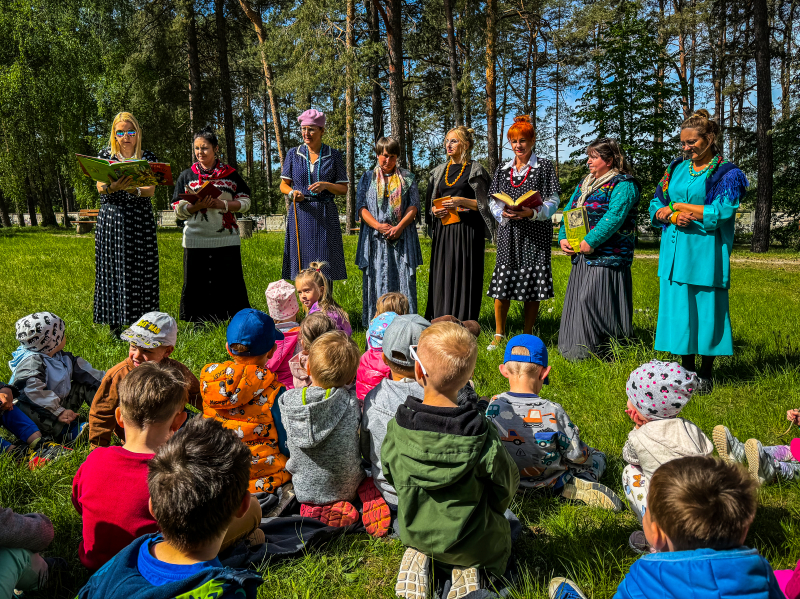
(154, 329)
(403, 332)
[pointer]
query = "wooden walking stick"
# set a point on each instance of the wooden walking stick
(297, 234)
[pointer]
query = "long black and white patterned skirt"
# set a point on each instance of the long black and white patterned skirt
(522, 271)
(126, 262)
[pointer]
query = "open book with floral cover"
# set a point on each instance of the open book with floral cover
(142, 172)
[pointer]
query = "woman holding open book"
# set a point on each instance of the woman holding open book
(126, 248)
(599, 230)
(207, 195)
(388, 253)
(457, 212)
(524, 195)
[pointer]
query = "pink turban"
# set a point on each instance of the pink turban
(312, 117)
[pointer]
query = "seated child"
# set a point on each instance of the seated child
(371, 368)
(313, 326)
(152, 339)
(554, 456)
(316, 294)
(53, 383)
(700, 510)
(381, 404)
(322, 426)
(657, 392)
(21, 566)
(394, 301)
(243, 394)
(37, 451)
(198, 488)
(151, 409)
(764, 463)
(453, 515)
(283, 309)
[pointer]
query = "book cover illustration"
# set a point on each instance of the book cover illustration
(576, 226)
(142, 173)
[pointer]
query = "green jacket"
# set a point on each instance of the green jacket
(452, 493)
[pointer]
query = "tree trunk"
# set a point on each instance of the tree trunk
(376, 96)
(393, 21)
(454, 76)
(267, 151)
(64, 201)
(491, 85)
(4, 217)
(31, 197)
(763, 212)
(195, 92)
(258, 25)
(249, 126)
(45, 201)
(786, 64)
(350, 116)
(225, 82)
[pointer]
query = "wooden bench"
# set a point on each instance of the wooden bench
(87, 213)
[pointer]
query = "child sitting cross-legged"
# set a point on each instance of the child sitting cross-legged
(322, 426)
(699, 512)
(454, 479)
(198, 483)
(152, 339)
(313, 326)
(657, 392)
(283, 309)
(53, 383)
(243, 394)
(151, 409)
(553, 455)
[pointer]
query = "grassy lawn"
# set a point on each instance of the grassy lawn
(41, 270)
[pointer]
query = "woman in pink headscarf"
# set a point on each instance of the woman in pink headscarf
(312, 175)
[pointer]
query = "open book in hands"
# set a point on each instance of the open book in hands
(531, 199)
(141, 172)
(207, 190)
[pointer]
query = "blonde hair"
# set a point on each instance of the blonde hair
(449, 352)
(333, 360)
(313, 326)
(707, 128)
(527, 369)
(112, 141)
(325, 302)
(467, 139)
(394, 301)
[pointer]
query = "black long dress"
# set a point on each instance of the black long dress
(126, 256)
(455, 286)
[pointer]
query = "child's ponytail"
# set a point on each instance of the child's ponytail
(326, 302)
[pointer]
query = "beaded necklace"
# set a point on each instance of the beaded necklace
(446, 182)
(511, 176)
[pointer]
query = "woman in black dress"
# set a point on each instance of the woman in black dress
(455, 285)
(213, 281)
(126, 248)
(522, 271)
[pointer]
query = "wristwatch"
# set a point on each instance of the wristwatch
(139, 192)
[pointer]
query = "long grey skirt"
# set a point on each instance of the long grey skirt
(598, 307)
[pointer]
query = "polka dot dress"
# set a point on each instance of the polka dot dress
(126, 256)
(522, 271)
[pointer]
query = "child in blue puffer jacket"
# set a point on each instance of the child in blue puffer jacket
(699, 512)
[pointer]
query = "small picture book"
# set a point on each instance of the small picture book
(576, 225)
(207, 190)
(142, 173)
(452, 213)
(531, 199)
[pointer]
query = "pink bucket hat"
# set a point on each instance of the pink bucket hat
(281, 300)
(312, 117)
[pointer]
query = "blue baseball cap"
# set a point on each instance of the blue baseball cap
(537, 351)
(255, 329)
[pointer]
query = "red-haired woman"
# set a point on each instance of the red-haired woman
(522, 271)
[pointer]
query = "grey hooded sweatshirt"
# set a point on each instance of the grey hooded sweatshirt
(380, 406)
(322, 436)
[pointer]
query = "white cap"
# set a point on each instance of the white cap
(152, 330)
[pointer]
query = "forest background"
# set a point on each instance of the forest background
(632, 70)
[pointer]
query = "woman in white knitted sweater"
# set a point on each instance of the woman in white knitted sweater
(213, 281)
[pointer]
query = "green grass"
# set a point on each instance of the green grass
(43, 270)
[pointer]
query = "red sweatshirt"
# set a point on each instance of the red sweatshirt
(111, 495)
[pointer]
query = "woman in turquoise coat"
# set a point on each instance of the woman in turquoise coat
(695, 204)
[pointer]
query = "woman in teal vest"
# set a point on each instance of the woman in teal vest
(695, 204)
(598, 305)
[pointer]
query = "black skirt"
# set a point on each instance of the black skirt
(213, 284)
(598, 307)
(455, 285)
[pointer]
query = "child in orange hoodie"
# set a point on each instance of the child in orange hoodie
(243, 394)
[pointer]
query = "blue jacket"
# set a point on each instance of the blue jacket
(120, 579)
(703, 573)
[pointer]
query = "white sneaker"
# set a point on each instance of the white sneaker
(465, 581)
(412, 580)
(759, 464)
(495, 342)
(729, 448)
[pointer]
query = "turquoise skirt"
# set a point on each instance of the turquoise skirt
(693, 319)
